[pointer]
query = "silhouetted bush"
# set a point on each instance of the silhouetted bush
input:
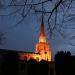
(63, 63)
(32, 67)
(44, 67)
(38, 68)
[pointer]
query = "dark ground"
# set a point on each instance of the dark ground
(64, 64)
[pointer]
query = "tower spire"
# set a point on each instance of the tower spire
(42, 37)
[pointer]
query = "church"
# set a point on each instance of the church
(42, 49)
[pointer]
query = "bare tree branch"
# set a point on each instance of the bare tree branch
(32, 3)
(56, 6)
(61, 7)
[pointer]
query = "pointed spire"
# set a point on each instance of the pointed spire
(42, 33)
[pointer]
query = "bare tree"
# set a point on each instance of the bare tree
(57, 12)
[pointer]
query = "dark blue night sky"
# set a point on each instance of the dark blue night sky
(21, 26)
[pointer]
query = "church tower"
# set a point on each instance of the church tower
(42, 47)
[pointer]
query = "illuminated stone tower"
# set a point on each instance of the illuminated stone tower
(42, 46)
(42, 49)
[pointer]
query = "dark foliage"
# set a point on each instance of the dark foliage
(37, 68)
(64, 63)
